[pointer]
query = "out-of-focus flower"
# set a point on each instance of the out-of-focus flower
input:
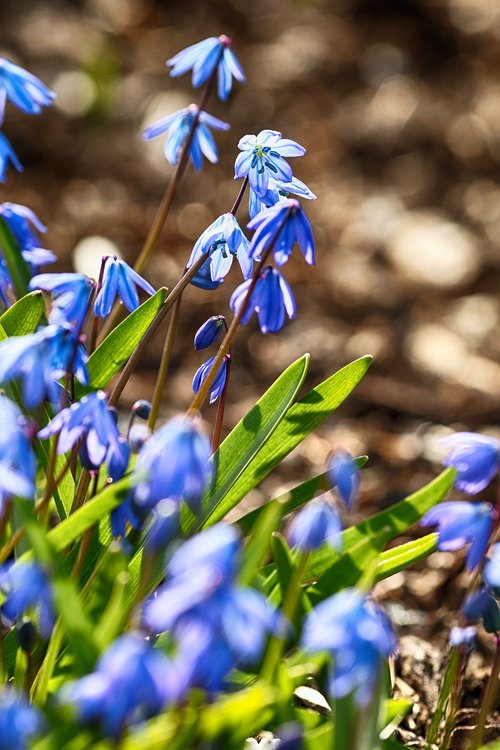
(464, 638)
(23, 222)
(271, 298)
(220, 379)
(23, 89)
(209, 332)
(178, 127)
(20, 722)
(262, 159)
(482, 605)
(343, 474)
(133, 681)
(461, 523)
(223, 240)
(26, 587)
(202, 58)
(119, 279)
(264, 743)
(318, 522)
(491, 572)
(476, 458)
(275, 192)
(7, 155)
(17, 460)
(280, 227)
(176, 457)
(358, 635)
(5, 284)
(71, 292)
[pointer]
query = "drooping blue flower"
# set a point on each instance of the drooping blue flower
(280, 227)
(223, 240)
(202, 58)
(343, 474)
(491, 572)
(482, 605)
(23, 222)
(275, 192)
(220, 379)
(176, 457)
(476, 458)
(27, 587)
(178, 127)
(23, 89)
(262, 159)
(17, 460)
(358, 635)
(71, 292)
(5, 284)
(163, 526)
(7, 155)
(132, 682)
(461, 523)
(463, 638)
(203, 278)
(316, 524)
(119, 279)
(271, 298)
(209, 332)
(20, 722)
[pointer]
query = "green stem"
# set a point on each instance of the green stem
(452, 670)
(219, 417)
(488, 698)
(164, 364)
(81, 490)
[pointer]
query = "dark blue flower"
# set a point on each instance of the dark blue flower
(461, 523)
(26, 587)
(133, 681)
(223, 240)
(5, 284)
(71, 292)
(17, 460)
(119, 279)
(275, 192)
(220, 379)
(23, 222)
(271, 298)
(491, 572)
(20, 722)
(209, 332)
(262, 159)
(482, 605)
(203, 278)
(176, 457)
(23, 89)
(318, 522)
(7, 155)
(343, 474)
(202, 58)
(476, 458)
(280, 227)
(358, 635)
(178, 127)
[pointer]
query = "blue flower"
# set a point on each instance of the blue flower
(133, 681)
(23, 222)
(223, 240)
(281, 227)
(276, 191)
(71, 291)
(482, 605)
(119, 279)
(178, 127)
(26, 587)
(203, 278)
(343, 474)
(491, 572)
(262, 159)
(461, 523)
(17, 460)
(463, 638)
(476, 458)
(5, 284)
(271, 298)
(318, 522)
(7, 155)
(176, 457)
(217, 386)
(202, 58)
(209, 332)
(20, 722)
(358, 635)
(23, 89)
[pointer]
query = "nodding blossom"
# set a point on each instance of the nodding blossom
(26, 587)
(203, 58)
(17, 460)
(280, 227)
(461, 523)
(314, 525)
(20, 722)
(476, 458)
(217, 386)
(23, 89)
(343, 475)
(119, 279)
(71, 296)
(275, 192)
(271, 298)
(262, 159)
(7, 155)
(222, 241)
(24, 225)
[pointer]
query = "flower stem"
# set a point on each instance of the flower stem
(450, 677)
(164, 364)
(488, 698)
(219, 417)
(239, 197)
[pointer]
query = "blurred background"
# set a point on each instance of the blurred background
(398, 105)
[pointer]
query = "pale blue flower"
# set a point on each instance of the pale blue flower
(7, 155)
(20, 722)
(343, 475)
(314, 525)
(17, 460)
(223, 240)
(23, 89)
(71, 293)
(262, 159)
(26, 587)
(461, 523)
(119, 279)
(476, 458)
(275, 192)
(202, 58)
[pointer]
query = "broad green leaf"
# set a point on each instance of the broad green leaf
(300, 420)
(320, 738)
(24, 315)
(285, 564)
(393, 560)
(76, 623)
(394, 712)
(243, 713)
(246, 440)
(258, 545)
(18, 268)
(117, 347)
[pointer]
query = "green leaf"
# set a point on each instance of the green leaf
(285, 564)
(394, 712)
(246, 440)
(243, 713)
(300, 420)
(259, 543)
(114, 351)
(400, 558)
(76, 623)
(24, 315)
(18, 268)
